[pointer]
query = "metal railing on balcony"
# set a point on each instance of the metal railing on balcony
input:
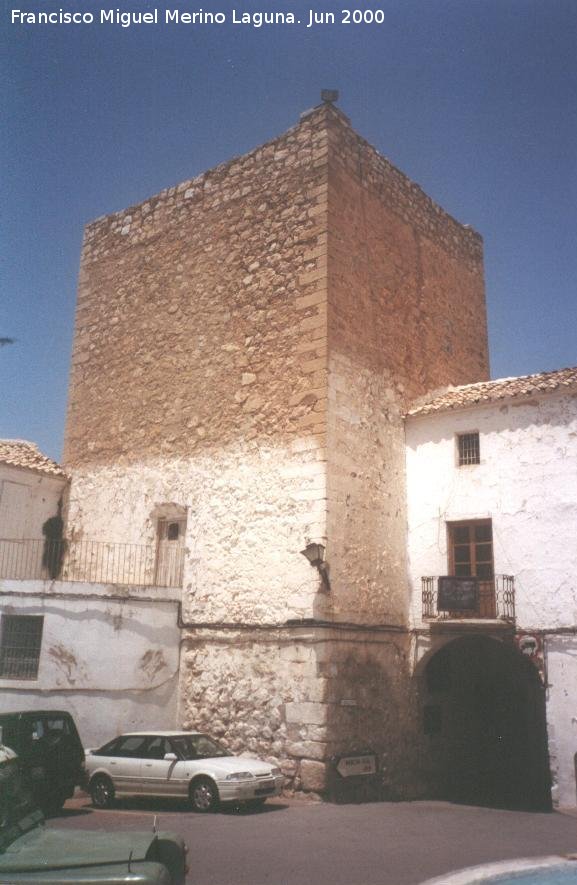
(493, 599)
(95, 562)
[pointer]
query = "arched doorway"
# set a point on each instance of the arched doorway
(484, 726)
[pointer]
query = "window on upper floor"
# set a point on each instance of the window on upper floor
(468, 449)
(20, 645)
(471, 549)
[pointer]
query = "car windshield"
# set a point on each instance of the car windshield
(197, 746)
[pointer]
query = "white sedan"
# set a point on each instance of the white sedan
(178, 763)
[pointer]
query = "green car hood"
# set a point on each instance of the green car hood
(48, 849)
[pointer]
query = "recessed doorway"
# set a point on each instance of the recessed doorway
(484, 726)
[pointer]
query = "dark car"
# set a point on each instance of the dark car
(32, 853)
(49, 751)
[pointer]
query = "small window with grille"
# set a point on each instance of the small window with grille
(20, 646)
(173, 531)
(468, 449)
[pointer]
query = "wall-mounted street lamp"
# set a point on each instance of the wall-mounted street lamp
(315, 553)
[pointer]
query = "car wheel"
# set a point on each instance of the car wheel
(203, 795)
(102, 791)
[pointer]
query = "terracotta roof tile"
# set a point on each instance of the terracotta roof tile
(490, 391)
(20, 453)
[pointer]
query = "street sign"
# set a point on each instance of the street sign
(353, 766)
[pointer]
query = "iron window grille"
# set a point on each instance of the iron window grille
(468, 448)
(20, 646)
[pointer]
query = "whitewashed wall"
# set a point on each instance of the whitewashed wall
(112, 661)
(27, 499)
(250, 511)
(562, 717)
(526, 484)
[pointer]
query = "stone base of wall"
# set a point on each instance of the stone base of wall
(300, 696)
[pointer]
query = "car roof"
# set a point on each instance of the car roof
(158, 733)
(17, 714)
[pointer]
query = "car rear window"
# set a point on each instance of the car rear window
(52, 724)
(106, 749)
(197, 746)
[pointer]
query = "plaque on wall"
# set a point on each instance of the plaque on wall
(458, 594)
(353, 766)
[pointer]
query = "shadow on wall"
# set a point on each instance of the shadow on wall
(369, 714)
(54, 544)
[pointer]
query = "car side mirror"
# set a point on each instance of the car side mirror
(170, 757)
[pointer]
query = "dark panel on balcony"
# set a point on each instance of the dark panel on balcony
(457, 594)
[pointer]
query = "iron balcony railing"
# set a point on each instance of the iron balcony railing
(494, 600)
(95, 562)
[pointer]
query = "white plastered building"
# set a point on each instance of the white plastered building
(492, 496)
(75, 633)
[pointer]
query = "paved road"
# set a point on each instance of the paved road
(298, 843)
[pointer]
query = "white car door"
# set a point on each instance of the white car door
(156, 772)
(125, 763)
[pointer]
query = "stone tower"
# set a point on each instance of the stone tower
(245, 346)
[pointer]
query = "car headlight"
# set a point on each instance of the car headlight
(275, 772)
(240, 776)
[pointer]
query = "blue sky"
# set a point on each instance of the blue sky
(473, 99)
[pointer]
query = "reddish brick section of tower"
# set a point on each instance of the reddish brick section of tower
(406, 314)
(406, 279)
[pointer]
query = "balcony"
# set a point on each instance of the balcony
(94, 562)
(467, 598)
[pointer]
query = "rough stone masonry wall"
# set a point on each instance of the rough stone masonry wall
(406, 314)
(252, 689)
(300, 696)
(199, 376)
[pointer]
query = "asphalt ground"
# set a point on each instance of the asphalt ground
(293, 842)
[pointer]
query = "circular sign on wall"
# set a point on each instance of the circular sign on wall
(531, 646)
